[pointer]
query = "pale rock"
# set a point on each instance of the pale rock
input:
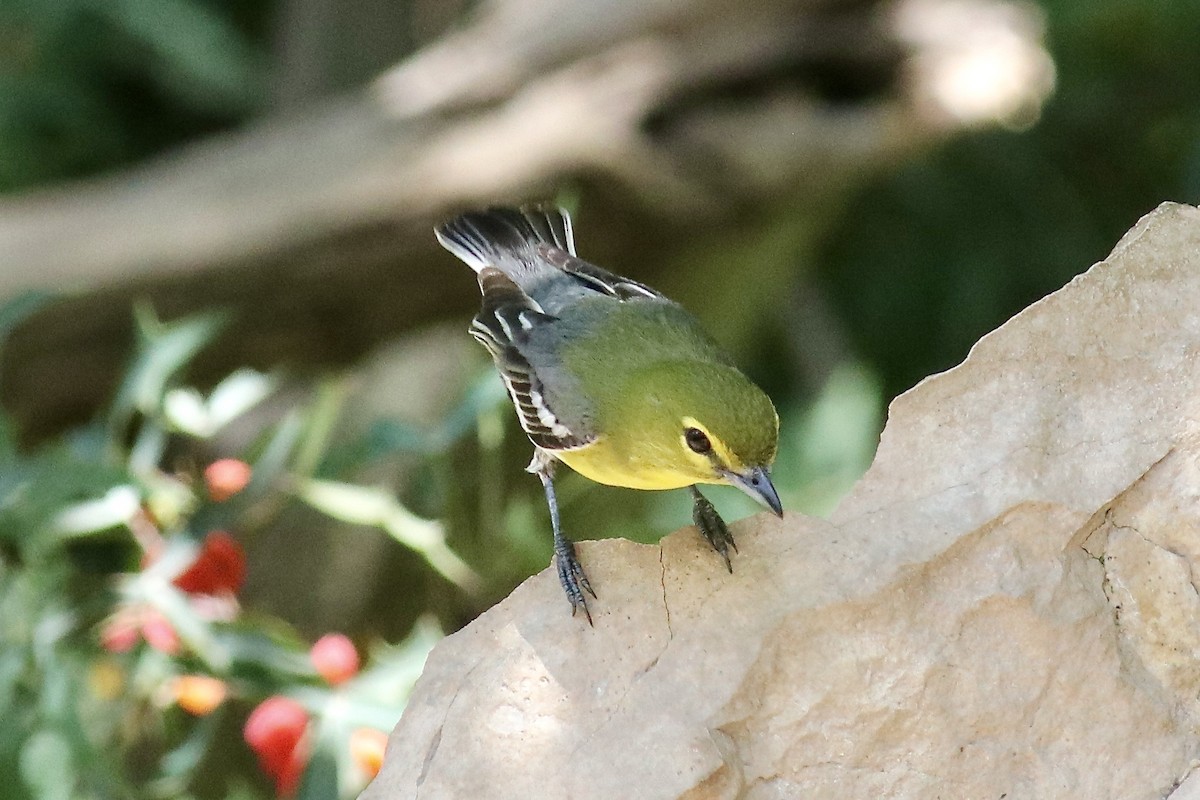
(1005, 606)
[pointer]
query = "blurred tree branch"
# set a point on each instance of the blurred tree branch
(682, 119)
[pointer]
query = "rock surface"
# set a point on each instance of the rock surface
(1005, 606)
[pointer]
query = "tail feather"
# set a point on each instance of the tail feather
(506, 238)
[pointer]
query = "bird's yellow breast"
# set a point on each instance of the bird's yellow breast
(605, 463)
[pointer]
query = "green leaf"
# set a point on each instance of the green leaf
(378, 508)
(240, 391)
(185, 411)
(47, 765)
(200, 56)
(8, 448)
(188, 411)
(386, 437)
(362, 505)
(148, 448)
(273, 461)
(20, 308)
(382, 438)
(320, 780)
(274, 658)
(487, 392)
(12, 669)
(163, 350)
(116, 507)
(321, 419)
(34, 496)
(377, 695)
(829, 445)
(180, 762)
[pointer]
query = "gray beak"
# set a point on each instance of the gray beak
(756, 482)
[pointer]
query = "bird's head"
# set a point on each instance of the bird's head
(708, 423)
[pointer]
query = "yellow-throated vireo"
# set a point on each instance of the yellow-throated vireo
(610, 377)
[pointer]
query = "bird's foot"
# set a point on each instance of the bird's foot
(712, 526)
(572, 577)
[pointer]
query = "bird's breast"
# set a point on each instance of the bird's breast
(602, 462)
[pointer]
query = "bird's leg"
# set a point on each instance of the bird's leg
(712, 526)
(570, 571)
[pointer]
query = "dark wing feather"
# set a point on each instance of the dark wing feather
(551, 225)
(503, 325)
(506, 238)
(595, 278)
(532, 245)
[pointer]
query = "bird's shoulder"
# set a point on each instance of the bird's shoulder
(628, 335)
(551, 406)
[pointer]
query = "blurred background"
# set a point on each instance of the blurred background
(251, 465)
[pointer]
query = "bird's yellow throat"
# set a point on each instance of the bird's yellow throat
(602, 462)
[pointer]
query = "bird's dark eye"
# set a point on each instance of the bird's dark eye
(697, 440)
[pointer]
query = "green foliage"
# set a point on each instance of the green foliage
(87, 84)
(128, 660)
(930, 258)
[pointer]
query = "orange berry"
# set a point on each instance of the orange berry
(199, 694)
(366, 748)
(226, 477)
(335, 658)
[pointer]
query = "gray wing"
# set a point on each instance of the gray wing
(506, 326)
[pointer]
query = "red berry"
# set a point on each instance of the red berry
(274, 731)
(220, 566)
(335, 658)
(226, 477)
(288, 779)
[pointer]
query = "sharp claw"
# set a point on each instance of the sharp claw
(583, 581)
(570, 572)
(574, 581)
(586, 612)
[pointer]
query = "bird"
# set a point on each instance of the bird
(609, 377)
